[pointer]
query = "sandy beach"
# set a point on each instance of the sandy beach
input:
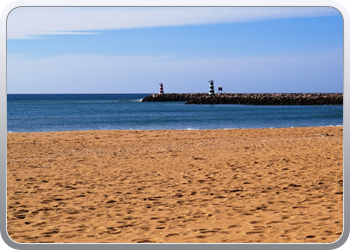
(176, 186)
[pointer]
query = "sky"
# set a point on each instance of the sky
(132, 49)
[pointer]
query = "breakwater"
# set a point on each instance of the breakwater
(251, 99)
(172, 97)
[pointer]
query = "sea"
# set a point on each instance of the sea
(73, 112)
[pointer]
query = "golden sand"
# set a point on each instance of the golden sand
(239, 186)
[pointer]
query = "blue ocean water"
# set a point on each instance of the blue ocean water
(69, 112)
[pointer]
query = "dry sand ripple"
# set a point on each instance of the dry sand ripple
(243, 185)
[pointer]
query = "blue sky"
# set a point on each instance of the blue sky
(132, 50)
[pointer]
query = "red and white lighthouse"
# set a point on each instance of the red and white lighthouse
(161, 88)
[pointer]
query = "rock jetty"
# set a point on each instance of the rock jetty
(251, 99)
(172, 97)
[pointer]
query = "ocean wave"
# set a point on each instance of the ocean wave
(136, 100)
(108, 101)
(335, 125)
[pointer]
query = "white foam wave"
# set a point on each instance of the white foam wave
(335, 125)
(136, 100)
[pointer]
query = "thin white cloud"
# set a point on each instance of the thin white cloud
(33, 22)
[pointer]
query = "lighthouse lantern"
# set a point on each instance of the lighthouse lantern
(211, 87)
(161, 88)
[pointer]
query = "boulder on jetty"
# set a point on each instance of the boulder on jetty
(173, 97)
(252, 99)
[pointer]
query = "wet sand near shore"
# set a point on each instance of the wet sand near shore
(176, 186)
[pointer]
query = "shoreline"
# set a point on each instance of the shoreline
(282, 185)
(188, 129)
